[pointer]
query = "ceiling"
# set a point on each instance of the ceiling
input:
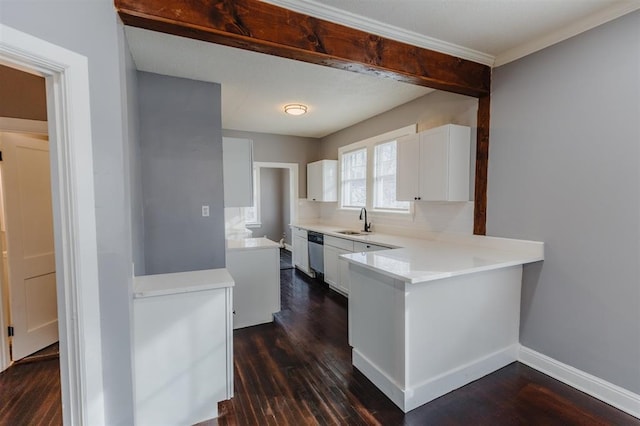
(255, 86)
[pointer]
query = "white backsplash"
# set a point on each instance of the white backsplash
(234, 224)
(450, 217)
(308, 211)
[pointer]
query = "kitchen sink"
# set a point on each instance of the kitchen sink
(348, 232)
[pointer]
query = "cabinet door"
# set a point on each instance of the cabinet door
(331, 265)
(301, 253)
(314, 181)
(237, 164)
(434, 161)
(343, 274)
(329, 180)
(408, 168)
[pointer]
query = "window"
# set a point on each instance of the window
(368, 173)
(384, 178)
(252, 214)
(354, 178)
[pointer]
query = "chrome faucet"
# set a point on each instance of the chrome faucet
(367, 225)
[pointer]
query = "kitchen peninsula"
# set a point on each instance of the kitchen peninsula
(435, 313)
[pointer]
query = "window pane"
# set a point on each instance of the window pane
(354, 178)
(384, 191)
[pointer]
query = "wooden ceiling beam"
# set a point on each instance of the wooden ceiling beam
(262, 27)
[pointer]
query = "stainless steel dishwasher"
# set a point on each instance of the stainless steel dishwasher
(316, 252)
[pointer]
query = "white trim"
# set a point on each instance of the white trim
(68, 110)
(614, 395)
(615, 11)
(19, 125)
(348, 19)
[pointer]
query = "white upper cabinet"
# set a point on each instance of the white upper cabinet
(434, 165)
(322, 180)
(237, 163)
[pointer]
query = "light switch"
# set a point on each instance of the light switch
(205, 211)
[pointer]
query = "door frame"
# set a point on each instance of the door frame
(293, 184)
(69, 129)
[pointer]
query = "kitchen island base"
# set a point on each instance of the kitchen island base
(419, 341)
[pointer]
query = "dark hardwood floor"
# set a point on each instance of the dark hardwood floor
(30, 394)
(298, 371)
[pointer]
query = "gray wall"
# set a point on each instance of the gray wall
(91, 29)
(431, 110)
(283, 149)
(181, 138)
(564, 169)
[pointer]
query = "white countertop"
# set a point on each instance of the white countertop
(438, 256)
(180, 282)
(251, 244)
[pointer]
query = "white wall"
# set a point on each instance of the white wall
(131, 120)
(91, 29)
(564, 168)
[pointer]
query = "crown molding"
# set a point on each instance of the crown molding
(591, 21)
(332, 14)
(335, 15)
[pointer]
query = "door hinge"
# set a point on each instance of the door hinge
(0, 155)
(10, 331)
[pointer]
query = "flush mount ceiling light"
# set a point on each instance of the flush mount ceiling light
(295, 109)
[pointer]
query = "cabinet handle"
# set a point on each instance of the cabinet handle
(415, 198)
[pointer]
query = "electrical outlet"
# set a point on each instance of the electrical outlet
(205, 211)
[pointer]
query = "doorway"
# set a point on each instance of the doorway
(26, 233)
(66, 76)
(278, 198)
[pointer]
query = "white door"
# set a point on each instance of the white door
(26, 186)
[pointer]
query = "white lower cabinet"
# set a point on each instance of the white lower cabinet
(336, 269)
(183, 346)
(256, 295)
(301, 250)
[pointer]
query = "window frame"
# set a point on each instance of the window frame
(370, 145)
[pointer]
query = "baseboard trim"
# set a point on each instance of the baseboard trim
(454, 379)
(386, 384)
(411, 398)
(607, 392)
